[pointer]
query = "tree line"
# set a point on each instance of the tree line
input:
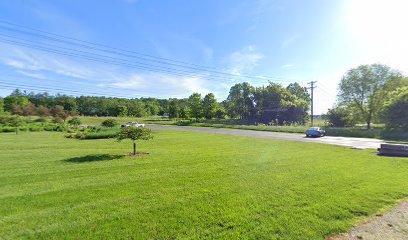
(270, 104)
(371, 93)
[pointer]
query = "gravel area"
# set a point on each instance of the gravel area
(391, 226)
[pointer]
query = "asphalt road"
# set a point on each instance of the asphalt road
(360, 143)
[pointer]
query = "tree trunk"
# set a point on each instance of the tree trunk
(369, 120)
(134, 148)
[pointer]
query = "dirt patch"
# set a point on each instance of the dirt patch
(392, 225)
(137, 155)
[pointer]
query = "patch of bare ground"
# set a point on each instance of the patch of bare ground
(390, 226)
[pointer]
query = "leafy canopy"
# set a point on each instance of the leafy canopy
(135, 133)
(111, 122)
(359, 88)
(74, 121)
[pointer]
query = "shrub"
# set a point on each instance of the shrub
(35, 128)
(110, 123)
(58, 120)
(41, 120)
(8, 129)
(340, 117)
(74, 121)
(5, 119)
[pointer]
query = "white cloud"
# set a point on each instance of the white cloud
(244, 60)
(32, 74)
(38, 62)
(289, 41)
(164, 85)
(289, 65)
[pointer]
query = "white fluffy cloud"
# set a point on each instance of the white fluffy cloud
(164, 85)
(244, 60)
(39, 63)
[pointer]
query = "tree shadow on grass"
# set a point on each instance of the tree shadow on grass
(93, 158)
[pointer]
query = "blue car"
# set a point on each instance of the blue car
(315, 132)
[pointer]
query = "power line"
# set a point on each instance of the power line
(59, 90)
(112, 61)
(123, 52)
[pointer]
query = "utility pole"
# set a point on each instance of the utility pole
(312, 86)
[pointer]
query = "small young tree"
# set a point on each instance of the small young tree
(74, 121)
(16, 122)
(134, 133)
(110, 123)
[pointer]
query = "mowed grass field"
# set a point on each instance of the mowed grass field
(190, 185)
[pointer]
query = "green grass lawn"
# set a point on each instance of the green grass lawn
(191, 185)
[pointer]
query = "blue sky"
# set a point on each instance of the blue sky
(282, 41)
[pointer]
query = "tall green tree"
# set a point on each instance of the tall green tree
(13, 101)
(195, 105)
(359, 86)
(386, 93)
(209, 106)
(174, 108)
(396, 110)
(1, 106)
(67, 102)
(240, 101)
(298, 91)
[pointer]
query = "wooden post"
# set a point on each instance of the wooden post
(134, 148)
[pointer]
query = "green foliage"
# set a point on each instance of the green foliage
(220, 112)
(16, 122)
(41, 120)
(58, 120)
(359, 87)
(236, 188)
(134, 133)
(111, 122)
(396, 110)
(174, 109)
(102, 133)
(270, 104)
(93, 133)
(43, 111)
(195, 105)
(240, 101)
(340, 117)
(15, 101)
(298, 91)
(209, 106)
(74, 121)
(1, 106)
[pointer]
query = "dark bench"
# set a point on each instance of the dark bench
(390, 149)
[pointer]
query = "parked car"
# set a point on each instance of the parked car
(132, 124)
(315, 132)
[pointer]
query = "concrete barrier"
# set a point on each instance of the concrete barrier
(390, 149)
